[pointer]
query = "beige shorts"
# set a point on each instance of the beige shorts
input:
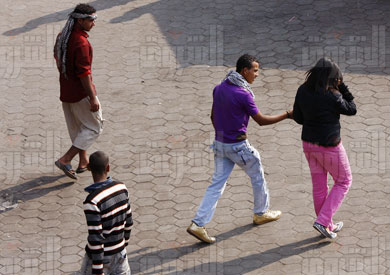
(84, 126)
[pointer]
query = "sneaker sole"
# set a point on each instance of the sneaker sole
(265, 221)
(194, 235)
(319, 231)
(322, 234)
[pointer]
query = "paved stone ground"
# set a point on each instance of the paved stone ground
(155, 64)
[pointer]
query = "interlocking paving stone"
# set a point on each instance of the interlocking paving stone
(155, 65)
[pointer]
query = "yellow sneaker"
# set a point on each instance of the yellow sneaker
(200, 233)
(268, 216)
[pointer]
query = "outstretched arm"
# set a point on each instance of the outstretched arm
(267, 120)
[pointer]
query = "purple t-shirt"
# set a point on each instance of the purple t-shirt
(232, 107)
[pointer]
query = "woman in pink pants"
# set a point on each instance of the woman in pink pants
(318, 105)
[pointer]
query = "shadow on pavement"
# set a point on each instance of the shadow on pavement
(152, 262)
(10, 197)
(286, 34)
(62, 15)
(156, 257)
(259, 260)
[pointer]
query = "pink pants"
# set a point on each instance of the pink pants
(321, 161)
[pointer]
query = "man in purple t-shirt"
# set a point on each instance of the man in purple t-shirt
(233, 105)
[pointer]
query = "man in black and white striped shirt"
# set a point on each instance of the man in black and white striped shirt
(109, 221)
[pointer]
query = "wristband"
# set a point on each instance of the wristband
(288, 114)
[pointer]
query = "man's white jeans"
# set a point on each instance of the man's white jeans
(226, 155)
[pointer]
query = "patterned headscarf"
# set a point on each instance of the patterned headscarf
(63, 38)
(239, 80)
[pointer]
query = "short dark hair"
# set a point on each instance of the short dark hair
(84, 9)
(98, 162)
(245, 61)
(323, 75)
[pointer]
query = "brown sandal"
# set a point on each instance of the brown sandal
(81, 170)
(67, 169)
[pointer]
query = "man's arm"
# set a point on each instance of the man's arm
(95, 236)
(267, 120)
(128, 224)
(83, 61)
(87, 85)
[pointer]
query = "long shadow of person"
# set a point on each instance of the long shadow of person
(10, 197)
(62, 15)
(256, 261)
(155, 259)
(285, 34)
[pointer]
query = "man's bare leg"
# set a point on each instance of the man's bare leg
(83, 159)
(69, 155)
(64, 162)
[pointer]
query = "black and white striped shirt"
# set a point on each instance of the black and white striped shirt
(109, 219)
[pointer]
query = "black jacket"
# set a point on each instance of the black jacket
(319, 113)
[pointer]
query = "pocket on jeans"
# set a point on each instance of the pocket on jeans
(241, 157)
(239, 148)
(241, 151)
(251, 155)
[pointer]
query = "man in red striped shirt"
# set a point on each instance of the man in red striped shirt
(109, 219)
(82, 111)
